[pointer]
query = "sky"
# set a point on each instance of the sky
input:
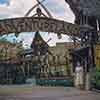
(4, 1)
(18, 8)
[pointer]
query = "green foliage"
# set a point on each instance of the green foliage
(95, 78)
(98, 82)
(3, 39)
(11, 74)
(55, 82)
(16, 34)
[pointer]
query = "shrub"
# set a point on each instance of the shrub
(95, 78)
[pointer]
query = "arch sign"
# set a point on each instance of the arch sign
(33, 24)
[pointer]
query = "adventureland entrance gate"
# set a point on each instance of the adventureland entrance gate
(38, 22)
(34, 24)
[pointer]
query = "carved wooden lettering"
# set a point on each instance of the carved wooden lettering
(33, 24)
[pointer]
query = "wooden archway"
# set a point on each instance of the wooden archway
(33, 24)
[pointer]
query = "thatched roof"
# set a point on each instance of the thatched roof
(89, 7)
(39, 45)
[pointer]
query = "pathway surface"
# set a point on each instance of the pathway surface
(51, 93)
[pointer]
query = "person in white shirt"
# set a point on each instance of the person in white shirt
(79, 75)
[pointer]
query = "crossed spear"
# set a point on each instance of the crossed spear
(39, 3)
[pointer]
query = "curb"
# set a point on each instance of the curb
(95, 90)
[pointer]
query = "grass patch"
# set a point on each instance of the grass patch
(14, 90)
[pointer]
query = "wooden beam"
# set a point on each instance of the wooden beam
(33, 24)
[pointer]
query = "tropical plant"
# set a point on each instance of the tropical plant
(95, 78)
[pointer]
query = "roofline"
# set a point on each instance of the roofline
(73, 7)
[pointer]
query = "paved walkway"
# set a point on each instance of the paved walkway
(52, 93)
